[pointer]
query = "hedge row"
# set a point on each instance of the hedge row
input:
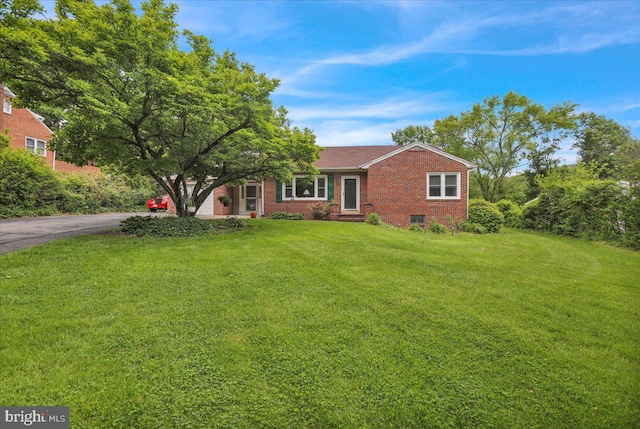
(30, 188)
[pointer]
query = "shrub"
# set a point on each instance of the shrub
(415, 228)
(473, 228)
(578, 203)
(486, 214)
(27, 186)
(436, 227)
(234, 222)
(630, 220)
(374, 219)
(97, 192)
(165, 226)
(512, 213)
(319, 211)
(287, 216)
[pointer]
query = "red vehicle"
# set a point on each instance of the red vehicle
(159, 203)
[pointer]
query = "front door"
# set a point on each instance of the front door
(249, 198)
(351, 193)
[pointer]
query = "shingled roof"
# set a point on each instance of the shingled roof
(350, 157)
(361, 157)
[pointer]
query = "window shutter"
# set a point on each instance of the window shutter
(278, 191)
(329, 187)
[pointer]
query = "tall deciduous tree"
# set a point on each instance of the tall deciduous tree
(498, 133)
(131, 97)
(412, 134)
(598, 139)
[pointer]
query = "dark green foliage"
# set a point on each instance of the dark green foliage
(486, 214)
(415, 228)
(141, 95)
(598, 139)
(165, 226)
(474, 228)
(512, 213)
(287, 216)
(581, 205)
(412, 134)
(27, 186)
(234, 222)
(374, 219)
(30, 188)
(630, 219)
(436, 227)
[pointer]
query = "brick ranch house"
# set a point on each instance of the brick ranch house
(405, 185)
(28, 131)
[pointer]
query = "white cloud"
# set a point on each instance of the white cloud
(354, 133)
(406, 106)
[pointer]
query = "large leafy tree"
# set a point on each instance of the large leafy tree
(412, 134)
(129, 96)
(498, 133)
(606, 144)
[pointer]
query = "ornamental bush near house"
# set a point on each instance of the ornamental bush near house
(319, 211)
(486, 214)
(512, 213)
(415, 228)
(286, 216)
(374, 219)
(436, 227)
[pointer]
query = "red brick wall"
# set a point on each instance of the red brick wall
(218, 207)
(289, 206)
(394, 188)
(21, 124)
(397, 188)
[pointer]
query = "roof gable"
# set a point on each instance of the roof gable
(362, 157)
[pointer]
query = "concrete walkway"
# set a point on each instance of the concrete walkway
(16, 234)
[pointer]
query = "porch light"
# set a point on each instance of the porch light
(306, 193)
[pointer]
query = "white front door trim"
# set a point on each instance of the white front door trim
(343, 196)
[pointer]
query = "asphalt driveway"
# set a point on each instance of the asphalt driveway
(16, 234)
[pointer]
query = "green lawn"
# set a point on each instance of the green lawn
(324, 324)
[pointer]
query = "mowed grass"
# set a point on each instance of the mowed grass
(324, 324)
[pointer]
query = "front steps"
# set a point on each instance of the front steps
(350, 217)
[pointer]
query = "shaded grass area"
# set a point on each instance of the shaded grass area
(323, 324)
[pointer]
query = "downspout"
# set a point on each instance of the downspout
(53, 164)
(262, 197)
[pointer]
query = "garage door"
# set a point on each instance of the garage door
(207, 207)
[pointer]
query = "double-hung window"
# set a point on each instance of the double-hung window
(443, 186)
(302, 187)
(6, 106)
(39, 147)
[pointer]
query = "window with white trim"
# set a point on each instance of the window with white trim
(303, 187)
(443, 186)
(39, 147)
(6, 106)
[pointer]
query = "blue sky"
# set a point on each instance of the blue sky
(354, 71)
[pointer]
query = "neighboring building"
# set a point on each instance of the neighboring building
(405, 185)
(28, 131)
